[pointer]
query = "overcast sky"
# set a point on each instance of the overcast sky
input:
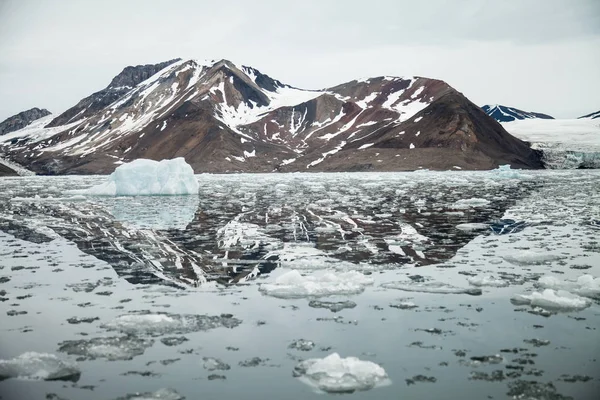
(535, 55)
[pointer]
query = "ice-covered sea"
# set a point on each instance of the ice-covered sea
(424, 285)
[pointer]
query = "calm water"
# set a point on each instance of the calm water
(191, 268)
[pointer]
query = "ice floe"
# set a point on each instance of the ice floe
(334, 374)
(585, 285)
(531, 258)
(160, 394)
(430, 287)
(143, 177)
(553, 300)
(40, 366)
(293, 284)
(110, 348)
(160, 324)
(487, 280)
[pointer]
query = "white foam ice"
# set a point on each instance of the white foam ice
(553, 300)
(505, 172)
(487, 280)
(585, 285)
(143, 177)
(468, 227)
(430, 287)
(139, 323)
(334, 374)
(40, 366)
(528, 257)
(293, 284)
(160, 394)
(472, 202)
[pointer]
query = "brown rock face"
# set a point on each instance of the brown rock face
(225, 118)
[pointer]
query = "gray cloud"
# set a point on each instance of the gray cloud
(538, 55)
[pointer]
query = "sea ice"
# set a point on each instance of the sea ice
(41, 366)
(472, 202)
(553, 300)
(585, 285)
(292, 284)
(487, 281)
(160, 394)
(160, 324)
(143, 177)
(468, 227)
(531, 258)
(430, 287)
(334, 374)
(111, 348)
(505, 172)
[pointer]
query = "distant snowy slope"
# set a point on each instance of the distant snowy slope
(506, 114)
(594, 115)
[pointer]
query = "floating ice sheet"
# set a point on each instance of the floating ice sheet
(293, 285)
(487, 280)
(430, 287)
(41, 366)
(585, 285)
(334, 374)
(553, 300)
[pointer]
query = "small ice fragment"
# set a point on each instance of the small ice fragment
(553, 300)
(487, 280)
(430, 287)
(40, 366)
(292, 284)
(334, 374)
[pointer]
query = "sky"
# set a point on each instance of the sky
(536, 55)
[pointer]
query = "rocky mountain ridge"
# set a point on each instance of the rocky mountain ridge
(22, 119)
(222, 117)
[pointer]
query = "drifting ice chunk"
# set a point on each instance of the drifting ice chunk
(505, 172)
(430, 287)
(559, 300)
(147, 177)
(487, 281)
(293, 285)
(43, 366)
(160, 394)
(472, 202)
(160, 324)
(472, 227)
(585, 285)
(334, 374)
(531, 258)
(111, 348)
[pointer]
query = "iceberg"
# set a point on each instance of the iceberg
(41, 366)
(292, 285)
(430, 287)
(143, 177)
(487, 281)
(553, 300)
(334, 374)
(585, 285)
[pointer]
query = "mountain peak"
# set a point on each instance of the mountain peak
(22, 119)
(507, 114)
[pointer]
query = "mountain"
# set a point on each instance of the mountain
(507, 114)
(222, 117)
(22, 119)
(594, 115)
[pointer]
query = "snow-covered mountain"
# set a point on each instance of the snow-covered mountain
(506, 114)
(22, 119)
(222, 117)
(594, 115)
